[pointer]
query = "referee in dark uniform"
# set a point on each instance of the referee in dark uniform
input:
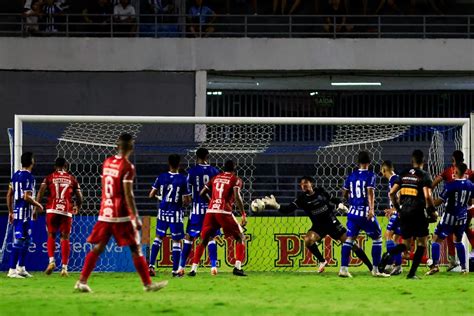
(416, 210)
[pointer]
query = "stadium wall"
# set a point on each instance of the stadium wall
(229, 54)
(94, 93)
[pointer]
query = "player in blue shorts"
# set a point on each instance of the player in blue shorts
(359, 190)
(172, 190)
(20, 203)
(457, 196)
(392, 234)
(198, 177)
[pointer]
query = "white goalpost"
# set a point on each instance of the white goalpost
(20, 119)
(251, 141)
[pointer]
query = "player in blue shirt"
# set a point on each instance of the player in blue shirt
(392, 234)
(457, 196)
(172, 190)
(359, 190)
(20, 203)
(198, 177)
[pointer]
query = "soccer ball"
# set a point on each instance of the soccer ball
(257, 205)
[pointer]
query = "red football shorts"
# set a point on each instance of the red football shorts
(214, 221)
(58, 223)
(124, 233)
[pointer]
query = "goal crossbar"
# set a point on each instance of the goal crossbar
(20, 119)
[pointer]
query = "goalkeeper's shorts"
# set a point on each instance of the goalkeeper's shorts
(330, 226)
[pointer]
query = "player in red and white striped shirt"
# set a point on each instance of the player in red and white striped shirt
(118, 217)
(62, 186)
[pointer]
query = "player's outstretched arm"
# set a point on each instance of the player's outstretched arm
(10, 203)
(271, 203)
(340, 206)
(130, 200)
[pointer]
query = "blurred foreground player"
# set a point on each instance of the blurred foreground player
(225, 188)
(61, 186)
(20, 202)
(118, 217)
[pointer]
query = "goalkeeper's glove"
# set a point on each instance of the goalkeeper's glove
(342, 208)
(431, 214)
(271, 202)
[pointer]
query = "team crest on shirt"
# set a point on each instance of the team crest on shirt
(412, 171)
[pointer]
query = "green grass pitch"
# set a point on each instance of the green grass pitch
(261, 293)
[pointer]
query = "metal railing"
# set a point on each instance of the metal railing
(289, 26)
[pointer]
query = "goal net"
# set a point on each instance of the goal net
(270, 153)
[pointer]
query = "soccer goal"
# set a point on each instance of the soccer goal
(271, 154)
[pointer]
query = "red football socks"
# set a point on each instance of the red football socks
(89, 265)
(240, 252)
(51, 244)
(142, 269)
(65, 250)
(198, 254)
